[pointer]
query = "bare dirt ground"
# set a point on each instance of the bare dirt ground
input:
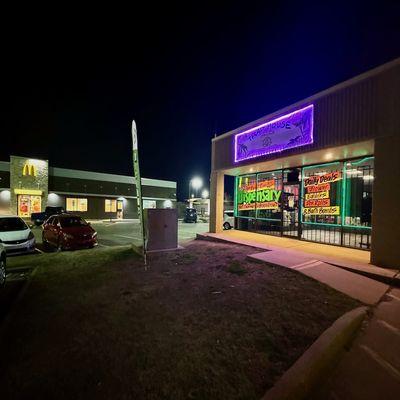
(200, 323)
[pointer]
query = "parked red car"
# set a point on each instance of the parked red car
(66, 231)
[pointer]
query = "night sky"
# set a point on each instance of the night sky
(72, 83)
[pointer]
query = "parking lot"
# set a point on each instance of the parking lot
(111, 233)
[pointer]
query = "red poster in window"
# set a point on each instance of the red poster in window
(317, 203)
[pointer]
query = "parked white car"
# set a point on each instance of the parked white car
(3, 259)
(15, 235)
(229, 220)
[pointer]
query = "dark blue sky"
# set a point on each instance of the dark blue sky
(73, 83)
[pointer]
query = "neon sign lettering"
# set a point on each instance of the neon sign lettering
(286, 132)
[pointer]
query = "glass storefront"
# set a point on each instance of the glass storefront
(327, 203)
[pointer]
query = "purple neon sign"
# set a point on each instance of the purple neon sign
(286, 132)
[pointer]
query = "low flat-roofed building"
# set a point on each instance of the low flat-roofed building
(28, 185)
(324, 169)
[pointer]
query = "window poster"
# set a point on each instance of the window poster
(257, 192)
(36, 204)
(320, 194)
(246, 194)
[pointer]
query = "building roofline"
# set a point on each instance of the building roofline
(310, 99)
(109, 196)
(4, 166)
(100, 176)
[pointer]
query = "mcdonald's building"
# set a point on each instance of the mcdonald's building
(28, 185)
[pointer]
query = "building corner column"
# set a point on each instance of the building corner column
(385, 240)
(216, 202)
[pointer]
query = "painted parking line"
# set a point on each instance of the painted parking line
(127, 237)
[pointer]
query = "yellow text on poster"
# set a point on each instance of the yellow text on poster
(318, 195)
(332, 210)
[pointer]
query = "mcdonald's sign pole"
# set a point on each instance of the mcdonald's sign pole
(138, 182)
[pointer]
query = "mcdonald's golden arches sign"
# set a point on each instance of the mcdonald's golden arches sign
(29, 169)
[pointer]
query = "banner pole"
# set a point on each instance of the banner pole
(138, 182)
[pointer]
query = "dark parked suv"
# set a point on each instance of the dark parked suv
(190, 215)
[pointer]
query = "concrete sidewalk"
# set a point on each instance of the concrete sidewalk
(359, 287)
(326, 264)
(370, 370)
(352, 260)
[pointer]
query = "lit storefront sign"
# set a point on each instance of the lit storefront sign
(261, 196)
(286, 132)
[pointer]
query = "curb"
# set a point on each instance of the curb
(201, 236)
(300, 379)
(388, 280)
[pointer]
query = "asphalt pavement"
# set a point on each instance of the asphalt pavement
(111, 233)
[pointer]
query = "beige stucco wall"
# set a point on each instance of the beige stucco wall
(216, 201)
(385, 240)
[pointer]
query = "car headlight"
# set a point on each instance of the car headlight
(94, 235)
(31, 236)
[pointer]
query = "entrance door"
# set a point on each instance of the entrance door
(290, 208)
(120, 209)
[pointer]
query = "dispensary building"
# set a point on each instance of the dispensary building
(29, 185)
(323, 170)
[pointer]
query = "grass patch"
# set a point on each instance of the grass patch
(94, 324)
(235, 267)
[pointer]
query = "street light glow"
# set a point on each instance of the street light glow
(204, 194)
(197, 183)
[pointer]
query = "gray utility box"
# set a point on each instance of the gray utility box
(161, 225)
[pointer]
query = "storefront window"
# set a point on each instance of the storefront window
(28, 204)
(110, 205)
(321, 192)
(269, 195)
(357, 202)
(76, 204)
(246, 191)
(327, 203)
(149, 204)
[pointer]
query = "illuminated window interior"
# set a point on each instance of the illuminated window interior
(110, 205)
(76, 204)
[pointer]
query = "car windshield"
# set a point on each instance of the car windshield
(12, 224)
(72, 221)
